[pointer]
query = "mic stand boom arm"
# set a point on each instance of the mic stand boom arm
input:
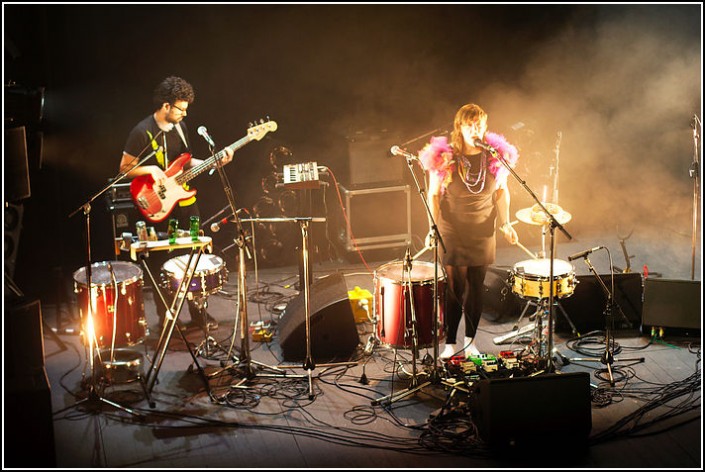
(553, 225)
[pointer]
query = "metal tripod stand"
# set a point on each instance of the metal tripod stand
(436, 240)
(607, 357)
(407, 296)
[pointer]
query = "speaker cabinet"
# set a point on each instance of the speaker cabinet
(16, 166)
(521, 413)
(24, 340)
(124, 217)
(379, 217)
(672, 303)
(371, 161)
(586, 307)
(12, 229)
(333, 330)
(29, 442)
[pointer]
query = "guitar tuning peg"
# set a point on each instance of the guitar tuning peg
(261, 121)
(250, 124)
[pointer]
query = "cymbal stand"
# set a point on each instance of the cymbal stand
(552, 224)
(608, 356)
(695, 175)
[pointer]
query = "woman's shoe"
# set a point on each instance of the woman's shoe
(470, 348)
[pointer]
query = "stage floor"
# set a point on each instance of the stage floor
(230, 409)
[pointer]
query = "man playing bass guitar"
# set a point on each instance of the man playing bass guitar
(165, 134)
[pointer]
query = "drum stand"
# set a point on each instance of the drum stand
(540, 308)
(608, 356)
(209, 345)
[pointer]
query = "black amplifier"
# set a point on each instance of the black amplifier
(120, 192)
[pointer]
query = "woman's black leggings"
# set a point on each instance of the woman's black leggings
(463, 295)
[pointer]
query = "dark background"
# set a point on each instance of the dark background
(618, 84)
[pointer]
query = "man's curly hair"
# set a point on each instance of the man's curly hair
(173, 89)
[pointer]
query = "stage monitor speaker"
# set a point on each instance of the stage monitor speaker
(586, 307)
(547, 412)
(499, 303)
(673, 303)
(333, 330)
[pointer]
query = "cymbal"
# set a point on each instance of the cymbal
(535, 216)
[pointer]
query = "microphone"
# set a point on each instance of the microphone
(204, 132)
(215, 227)
(483, 145)
(397, 151)
(585, 253)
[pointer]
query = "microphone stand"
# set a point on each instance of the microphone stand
(435, 376)
(244, 362)
(608, 356)
(553, 224)
(93, 351)
(695, 175)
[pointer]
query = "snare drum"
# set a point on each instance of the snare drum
(209, 277)
(530, 278)
(393, 309)
(118, 307)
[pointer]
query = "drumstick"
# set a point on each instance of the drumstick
(526, 250)
(512, 223)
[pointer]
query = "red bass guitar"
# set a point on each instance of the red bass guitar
(156, 199)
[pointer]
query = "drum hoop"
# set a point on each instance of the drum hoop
(129, 281)
(413, 281)
(528, 275)
(196, 273)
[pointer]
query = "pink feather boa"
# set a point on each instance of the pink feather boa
(437, 156)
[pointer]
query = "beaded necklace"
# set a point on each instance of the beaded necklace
(473, 179)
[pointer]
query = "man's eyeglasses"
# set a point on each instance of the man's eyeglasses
(182, 110)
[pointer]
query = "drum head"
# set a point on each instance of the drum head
(420, 271)
(207, 264)
(542, 267)
(102, 276)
